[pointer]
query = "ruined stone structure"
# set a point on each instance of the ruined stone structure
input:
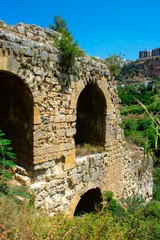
(46, 112)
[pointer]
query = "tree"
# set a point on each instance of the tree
(114, 64)
(60, 25)
(68, 48)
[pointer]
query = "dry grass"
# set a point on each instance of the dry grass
(87, 149)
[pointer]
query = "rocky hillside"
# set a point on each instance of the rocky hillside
(149, 68)
(139, 70)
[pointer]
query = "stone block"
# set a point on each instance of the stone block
(66, 147)
(24, 180)
(68, 166)
(71, 157)
(59, 119)
(36, 116)
(13, 65)
(79, 187)
(70, 132)
(3, 63)
(39, 159)
(39, 99)
(71, 118)
(39, 151)
(38, 135)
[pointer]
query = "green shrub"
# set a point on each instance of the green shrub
(6, 154)
(143, 124)
(133, 109)
(6, 162)
(112, 206)
(68, 49)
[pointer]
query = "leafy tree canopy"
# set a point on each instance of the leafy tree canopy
(60, 25)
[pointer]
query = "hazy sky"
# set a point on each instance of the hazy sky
(101, 27)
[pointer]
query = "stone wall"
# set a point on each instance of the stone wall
(45, 144)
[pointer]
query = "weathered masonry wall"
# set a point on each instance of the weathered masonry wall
(46, 112)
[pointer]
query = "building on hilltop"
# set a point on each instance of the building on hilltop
(155, 52)
(149, 53)
(145, 54)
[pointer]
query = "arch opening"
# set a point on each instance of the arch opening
(91, 116)
(16, 121)
(90, 202)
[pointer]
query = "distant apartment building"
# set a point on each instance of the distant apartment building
(145, 54)
(155, 52)
(149, 53)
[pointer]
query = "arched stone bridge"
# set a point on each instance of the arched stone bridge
(47, 112)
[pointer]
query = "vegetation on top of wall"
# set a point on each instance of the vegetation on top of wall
(68, 48)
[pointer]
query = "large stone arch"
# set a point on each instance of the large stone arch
(91, 116)
(16, 110)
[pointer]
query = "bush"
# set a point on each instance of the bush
(6, 154)
(68, 49)
(19, 221)
(6, 162)
(133, 109)
(112, 206)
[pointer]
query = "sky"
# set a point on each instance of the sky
(101, 27)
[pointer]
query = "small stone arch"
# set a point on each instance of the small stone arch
(16, 110)
(90, 202)
(91, 116)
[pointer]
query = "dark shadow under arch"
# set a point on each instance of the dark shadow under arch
(91, 116)
(16, 116)
(90, 202)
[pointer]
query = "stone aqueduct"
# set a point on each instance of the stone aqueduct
(46, 112)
